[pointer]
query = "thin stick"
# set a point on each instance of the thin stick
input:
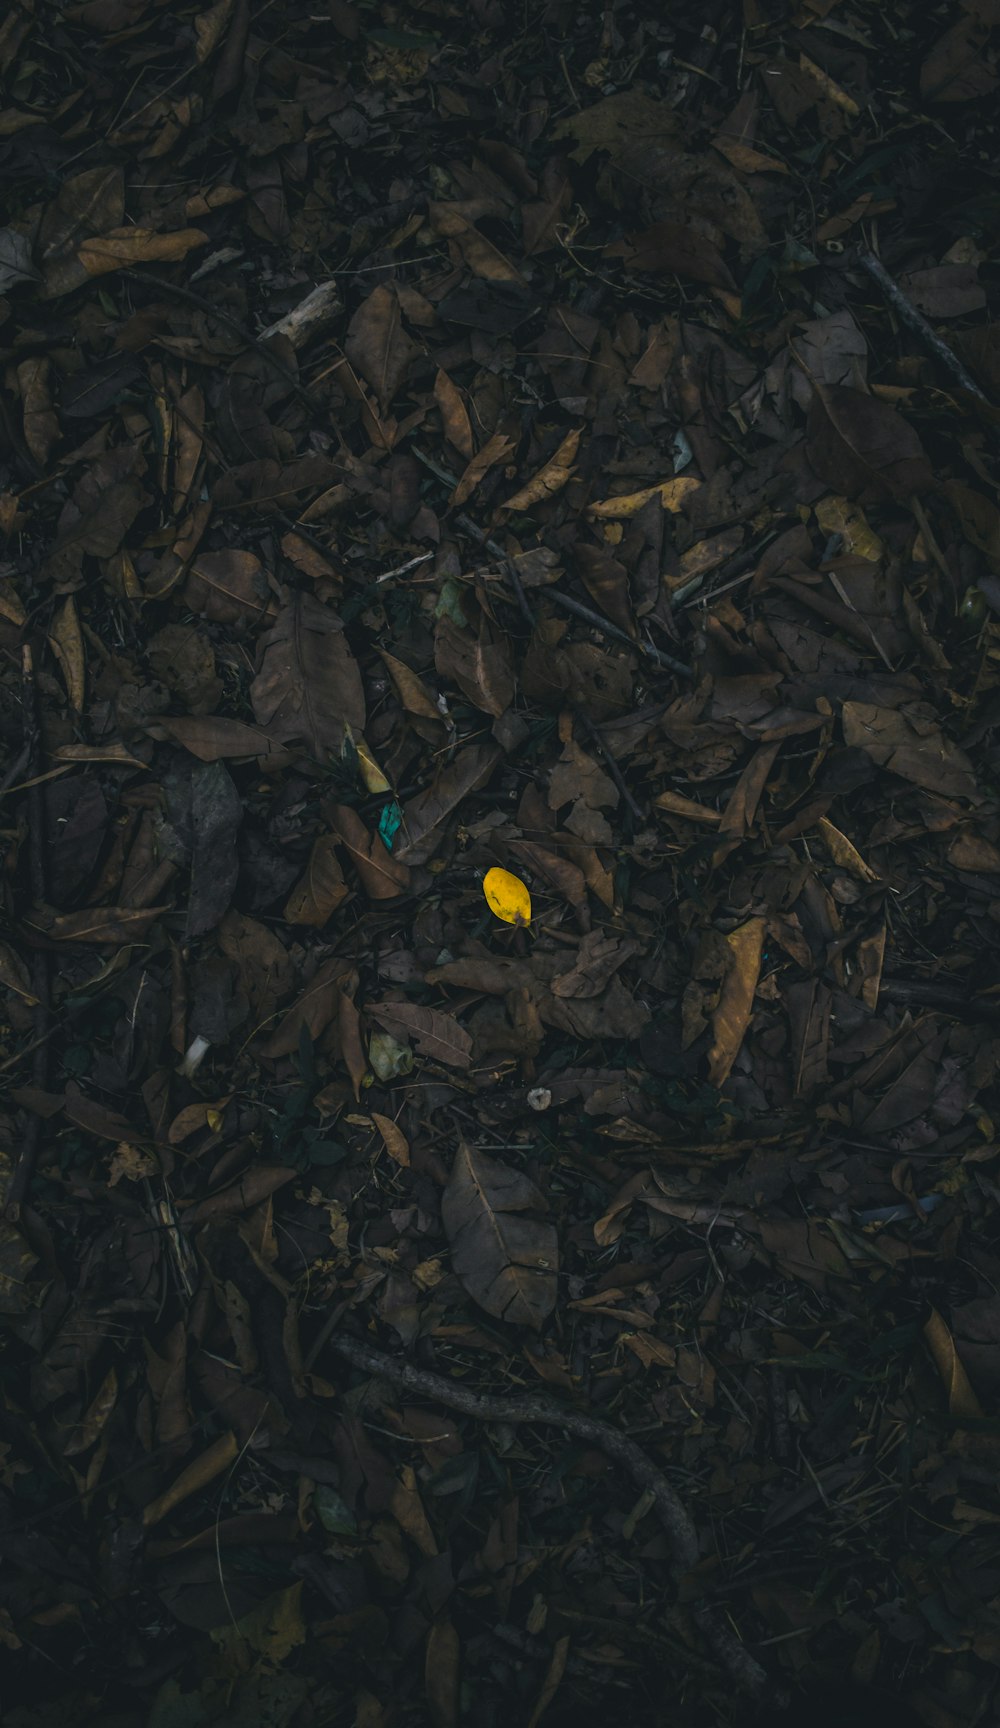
(917, 322)
(675, 1520)
(165, 286)
(27, 1155)
(667, 661)
(610, 762)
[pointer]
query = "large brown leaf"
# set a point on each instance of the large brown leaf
(863, 448)
(321, 889)
(377, 345)
(308, 688)
(508, 1262)
(436, 1035)
(382, 875)
(481, 666)
(418, 839)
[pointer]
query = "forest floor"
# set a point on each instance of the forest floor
(500, 707)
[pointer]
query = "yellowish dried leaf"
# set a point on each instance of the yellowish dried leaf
(507, 896)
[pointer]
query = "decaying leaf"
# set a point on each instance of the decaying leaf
(308, 689)
(507, 1259)
(435, 1034)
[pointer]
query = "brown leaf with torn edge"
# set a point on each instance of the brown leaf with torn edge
(731, 1016)
(507, 1261)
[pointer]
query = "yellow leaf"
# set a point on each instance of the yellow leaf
(671, 494)
(371, 773)
(507, 896)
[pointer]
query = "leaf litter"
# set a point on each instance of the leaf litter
(501, 613)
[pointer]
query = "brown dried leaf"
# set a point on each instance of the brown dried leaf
(962, 1400)
(377, 346)
(216, 738)
(419, 837)
(396, 1143)
(106, 924)
(66, 642)
(308, 689)
(382, 874)
(911, 744)
(265, 969)
(551, 478)
(454, 415)
(435, 1034)
(441, 1673)
(125, 247)
(482, 667)
(732, 1016)
(321, 889)
(864, 448)
(228, 587)
(508, 1262)
(411, 689)
(493, 451)
(315, 1008)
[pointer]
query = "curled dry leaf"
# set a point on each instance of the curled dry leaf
(496, 449)
(507, 1260)
(731, 1018)
(126, 247)
(396, 1143)
(551, 478)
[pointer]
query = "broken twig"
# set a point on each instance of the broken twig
(675, 1520)
(27, 1154)
(917, 322)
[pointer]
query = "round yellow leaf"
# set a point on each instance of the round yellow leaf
(507, 896)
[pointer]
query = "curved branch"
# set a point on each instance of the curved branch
(675, 1520)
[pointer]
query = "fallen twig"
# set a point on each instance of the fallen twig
(27, 1154)
(657, 655)
(174, 289)
(610, 762)
(917, 322)
(675, 1520)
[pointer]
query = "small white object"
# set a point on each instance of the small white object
(539, 1098)
(196, 1052)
